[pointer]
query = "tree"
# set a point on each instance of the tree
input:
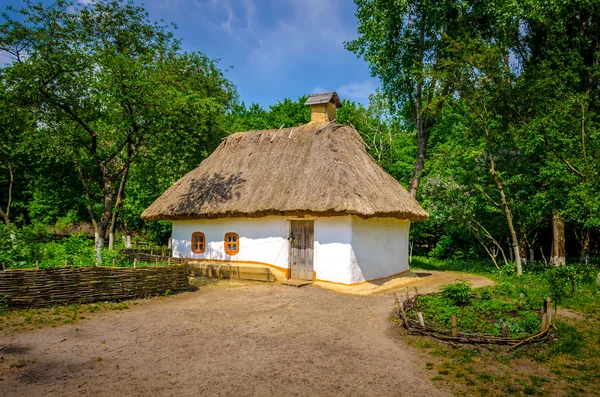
(14, 125)
(109, 85)
(562, 73)
(405, 44)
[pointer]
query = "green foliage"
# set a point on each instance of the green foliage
(485, 294)
(459, 293)
(485, 316)
(286, 113)
(562, 282)
(110, 89)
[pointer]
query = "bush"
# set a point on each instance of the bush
(459, 293)
(485, 294)
(563, 281)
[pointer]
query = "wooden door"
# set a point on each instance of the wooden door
(302, 235)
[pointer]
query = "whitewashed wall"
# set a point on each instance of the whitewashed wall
(380, 246)
(347, 249)
(334, 259)
(261, 239)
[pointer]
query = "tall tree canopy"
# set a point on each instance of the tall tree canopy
(108, 86)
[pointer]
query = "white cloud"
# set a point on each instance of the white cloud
(86, 2)
(300, 28)
(317, 90)
(357, 91)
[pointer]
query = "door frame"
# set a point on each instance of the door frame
(289, 224)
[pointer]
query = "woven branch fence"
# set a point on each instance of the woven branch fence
(130, 252)
(454, 336)
(33, 288)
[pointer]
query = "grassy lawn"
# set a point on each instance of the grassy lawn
(14, 321)
(567, 365)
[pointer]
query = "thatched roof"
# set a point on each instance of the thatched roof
(306, 170)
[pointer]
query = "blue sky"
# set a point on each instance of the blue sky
(277, 48)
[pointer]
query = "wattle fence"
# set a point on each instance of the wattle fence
(31, 288)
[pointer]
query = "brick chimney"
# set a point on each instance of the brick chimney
(323, 106)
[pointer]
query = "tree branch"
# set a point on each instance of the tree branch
(561, 158)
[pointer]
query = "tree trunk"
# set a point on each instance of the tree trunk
(103, 225)
(422, 132)
(118, 204)
(6, 214)
(531, 256)
(558, 241)
(422, 141)
(585, 247)
(507, 212)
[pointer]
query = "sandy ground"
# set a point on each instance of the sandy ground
(425, 281)
(228, 339)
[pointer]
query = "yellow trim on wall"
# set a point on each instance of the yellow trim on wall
(281, 269)
(362, 282)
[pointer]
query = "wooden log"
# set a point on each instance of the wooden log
(421, 320)
(504, 329)
(403, 314)
(454, 325)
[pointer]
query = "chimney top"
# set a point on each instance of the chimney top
(324, 97)
(323, 106)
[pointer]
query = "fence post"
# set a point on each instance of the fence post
(504, 329)
(156, 262)
(114, 260)
(37, 265)
(544, 324)
(66, 263)
(134, 263)
(454, 326)
(3, 266)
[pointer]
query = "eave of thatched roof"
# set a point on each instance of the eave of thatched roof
(306, 170)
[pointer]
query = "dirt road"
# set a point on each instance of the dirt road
(229, 340)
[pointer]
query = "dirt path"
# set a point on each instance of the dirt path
(256, 339)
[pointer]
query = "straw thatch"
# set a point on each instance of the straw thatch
(308, 170)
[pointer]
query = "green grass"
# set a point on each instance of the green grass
(568, 364)
(14, 321)
(479, 316)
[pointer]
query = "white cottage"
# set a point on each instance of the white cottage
(308, 202)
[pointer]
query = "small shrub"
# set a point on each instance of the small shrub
(459, 292)
(505, 288)
(485, 294)
(562, 281)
